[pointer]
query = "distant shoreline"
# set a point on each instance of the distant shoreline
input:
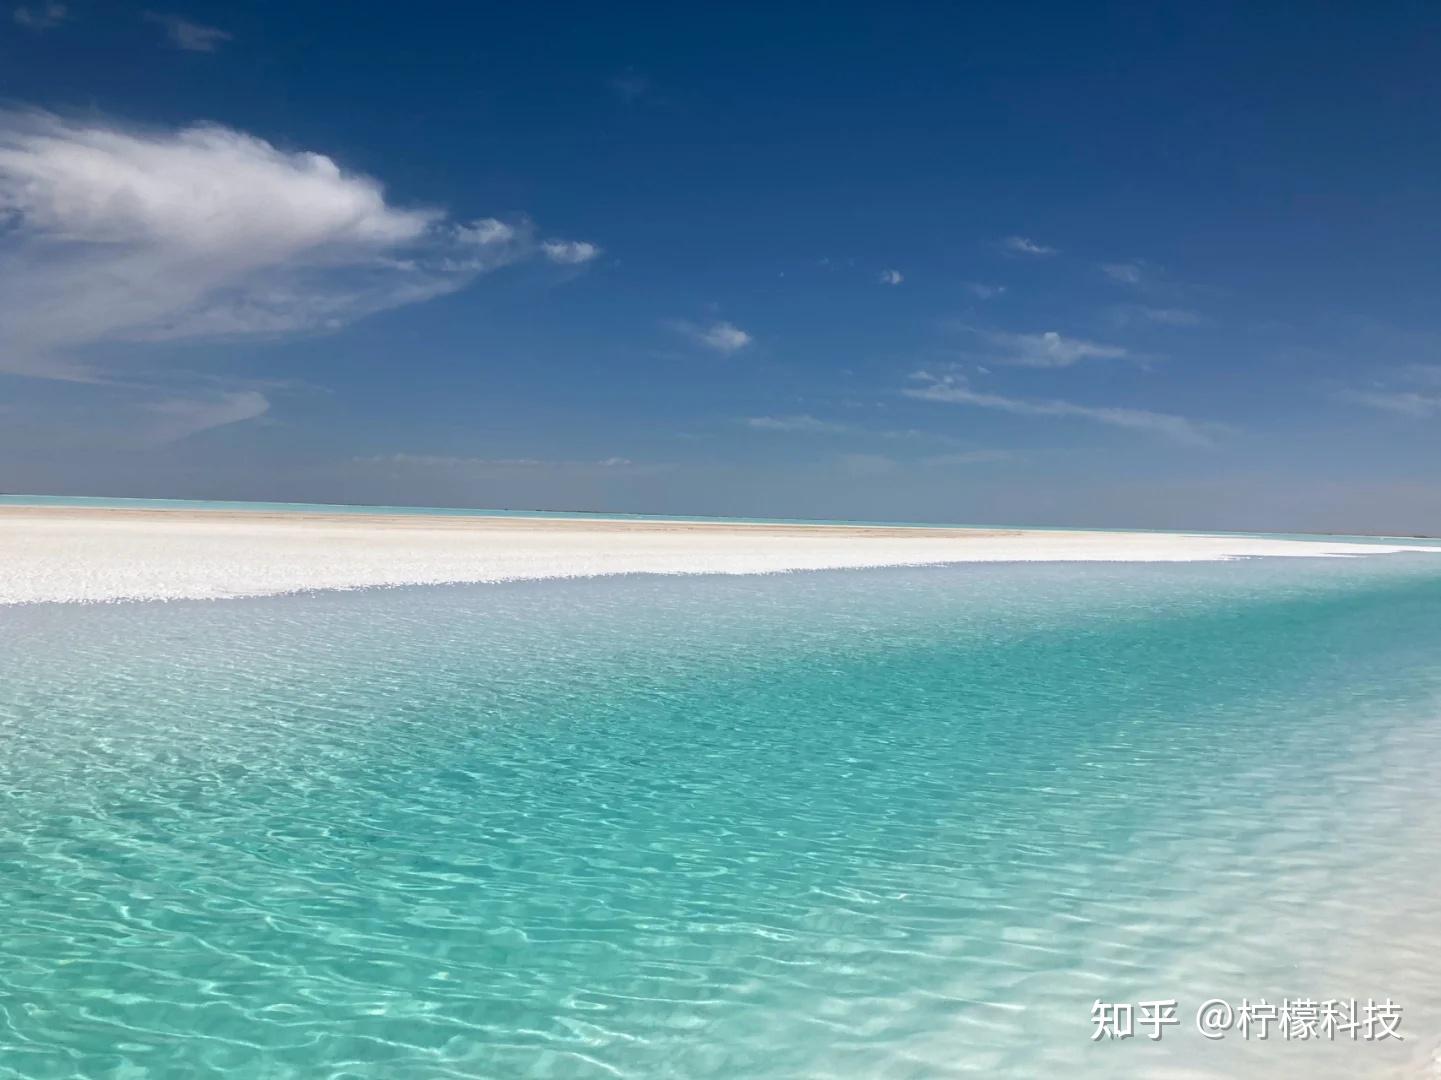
(95, 554)
(353, 510)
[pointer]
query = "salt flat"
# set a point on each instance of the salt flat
(71, 554)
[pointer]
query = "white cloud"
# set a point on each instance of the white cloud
(569, 252)
(476, 464)
(722, 337)
(955, 390)
(983, 291)
(1021, 245)
(113, 234)
(1047, 349)
(868, 464)
(1396, 393)
(630, 85)
(892, 277)
(187, 35)
(44, 16)
(1131, 313)
(1427, 374)
(178, 418)
(485, 232)
(1127, 273)
(804, 423)
(969, 457)
(1406, 402)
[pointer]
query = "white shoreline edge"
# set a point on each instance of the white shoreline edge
(94, 555)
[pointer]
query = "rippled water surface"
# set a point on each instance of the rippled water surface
(897, 823)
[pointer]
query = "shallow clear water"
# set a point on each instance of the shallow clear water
(884, 823)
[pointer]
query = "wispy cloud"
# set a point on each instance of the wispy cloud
(969, 457)
(1021, 245)
(1405, 391)
(892, 277)
(982, 291)
(178, 418)
(187, 35)
(1127, 273)
(803, 423)
(44, 16)
(479, 464)
(954, 389)
(1405, 402)
(118, 234)
(721, 337)
(1425, 374)
(1128, 314)
(630, 85)
(1047, 349)
(806, 424)
(569, 252)
(868, 464)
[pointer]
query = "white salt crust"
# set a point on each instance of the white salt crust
(90, 555)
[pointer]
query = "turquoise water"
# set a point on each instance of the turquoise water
(892, 823)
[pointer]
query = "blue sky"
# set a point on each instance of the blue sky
(1036, 264)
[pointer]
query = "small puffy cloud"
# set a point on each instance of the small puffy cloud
(569, 252)
(721, 337)
(1021, 245)
(954, 389)
(45, 16)
(892, 277)
(115, 234)
(187, 35)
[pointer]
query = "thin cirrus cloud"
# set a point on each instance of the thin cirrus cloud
(954, 389)
(506, 465)
(44, 16)
(1126, 273)
(1412, 390)
(1023, 245)
(721, 337)
(804, 423)
(187, 35)
(1413, 403)
(118, 235)
(1047, 349)
(1129, 314)
(177, 418)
